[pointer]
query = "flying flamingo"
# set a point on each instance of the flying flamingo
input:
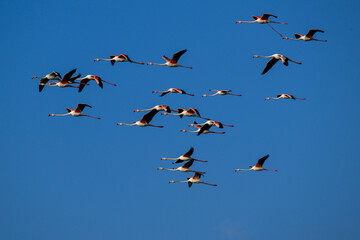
(258, 166)
(185, 157)
(191, 112)
(172, 90)
(145, 121)
(183, 168)
(75, 112)
(157, 107)
(211, 122)
(44, 80)
(172, 62)
(118, 58)
(262, 20)
(285, 96)
(65, 81)
(221, 92)
(201, 129)
(308, 36)
(274, 58)
(85, 80)
(194, 179)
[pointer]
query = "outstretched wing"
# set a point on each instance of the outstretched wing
(189, 153)
(188, 164)
(68, 75)
(42, 83)
(196, 111)
(204, 128)
(149, 116)
(261, 161)
(164, 93)
(83, 83)
(266, 16)
(218, 124)
(269, 65)
(80, 107)
(311, 32)
(177, 55)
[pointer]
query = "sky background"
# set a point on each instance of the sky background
(82, 178)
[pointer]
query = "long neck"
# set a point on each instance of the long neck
(237, 170)
(178, 181)
(292, 38)
(169, 169)
(176, 114)
(59, 115)
(209, 95)
(143, 110)
(125, 124)
(159, 64)
(169, 158)
(257, 56)
(245, 22)
(101, 59)
(183, 130)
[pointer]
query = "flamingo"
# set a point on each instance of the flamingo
(285, 96)
(201, 129)
(258, 166)
(183, 168)
(274, 58)
(308, 36)
(145, 120)
(191, 112)
(158, 108)
(77, 112)
(172, 62)
(194, 179)
(85, 80)
(221, 92)
(262, 20)
(172, 90)
(211, 122)
(118, 58)
(184, 157)
(44, 80)
(65, 81)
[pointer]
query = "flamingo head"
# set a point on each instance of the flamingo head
(182, 130)
(267, 98)
(160, 168)
(96, 59)
(51, 115)
(255, 56)
(238, 22)
(119, 124)
(172, 181)
(150, 63)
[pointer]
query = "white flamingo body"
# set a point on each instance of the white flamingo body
(274, 59)
(172, 62)
(194, 179)
(183, 168)
(308, 37)
(258, 166)
(204, 129)
(191, 112)
(157, 107)
(77, 112)
(184, 157)
(285, 96)
(145, 121)
(221, 92)
(118, 58)
(172, 90)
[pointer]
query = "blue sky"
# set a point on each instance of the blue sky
(81, 178)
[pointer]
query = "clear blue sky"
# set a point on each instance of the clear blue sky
(81, 178)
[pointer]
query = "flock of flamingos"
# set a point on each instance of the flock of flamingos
(54, 79)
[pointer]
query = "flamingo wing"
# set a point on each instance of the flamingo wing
(180, 90)
(190, 184)
(42, 83)
(218, 124)
(311, 32)
(269, 65)
(204, 128)
(261, 161)
(197, 175)
(98, 81)
(83, 83)
(80, 107)
(188, 164)
(68, 75)
(164, 93)
(195, 111)
(149, 116)
(189, 153)
(266, 16)
(166, 59)
(72, 79)
(177, 55)
(125, 57)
